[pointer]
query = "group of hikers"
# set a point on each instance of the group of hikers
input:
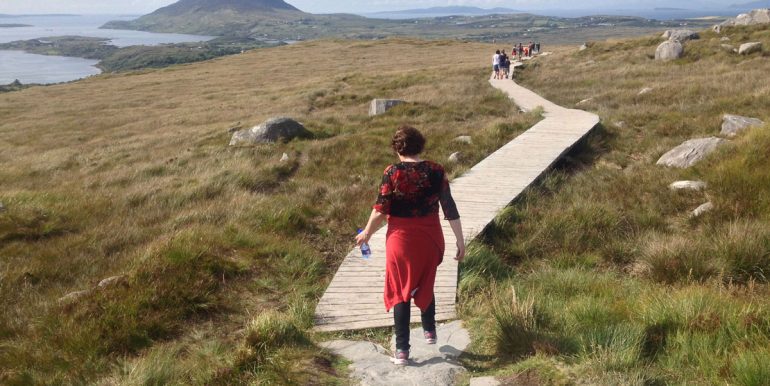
(501, 62)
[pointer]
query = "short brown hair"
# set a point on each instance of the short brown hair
(408, 141)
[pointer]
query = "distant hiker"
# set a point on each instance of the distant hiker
(526, 51)
(537, 48)
(496, 64)
(505, 63)
(521, 51)
(409, 198)
(531, 48)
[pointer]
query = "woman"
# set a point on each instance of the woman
(496, 64)
(409, 198)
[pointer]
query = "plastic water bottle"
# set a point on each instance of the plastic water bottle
(365, 251)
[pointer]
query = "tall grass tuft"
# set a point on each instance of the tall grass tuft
(516, 325)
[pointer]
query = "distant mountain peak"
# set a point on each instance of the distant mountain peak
(187, 6)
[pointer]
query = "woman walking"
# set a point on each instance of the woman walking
(409, 199)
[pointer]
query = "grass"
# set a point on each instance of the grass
(225, 251)
(623, 286)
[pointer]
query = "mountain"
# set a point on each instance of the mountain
(442, 11)
(212, 17)
(752, 4)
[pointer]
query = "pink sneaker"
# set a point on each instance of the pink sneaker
(430, 337)
(401, 358)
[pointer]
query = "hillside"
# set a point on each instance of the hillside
(223, 251)
(616, 281)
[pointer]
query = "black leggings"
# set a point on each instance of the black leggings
(401, 316)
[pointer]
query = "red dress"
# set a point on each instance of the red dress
(410, 194)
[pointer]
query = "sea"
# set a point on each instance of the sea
(42, 69)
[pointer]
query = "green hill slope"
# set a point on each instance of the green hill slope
(616, 281)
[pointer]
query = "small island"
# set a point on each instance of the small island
(14, 25)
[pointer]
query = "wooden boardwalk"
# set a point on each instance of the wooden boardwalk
(354, 297)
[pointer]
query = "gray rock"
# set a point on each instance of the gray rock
(73, 296)
(701, 210)
(285, 157)
(455, 157)
(749, 48)
(681, 35)
(688, 185)
(2, 207)
(484, 381)
(583, 47)
(645, 91)
(669, 50)
(724, 39)
(584, 101)
(717, 28)
(235, 128)
(690, 152)
(728, 47)
(381, 106)
(734, 124)
(757, 16)
(429, 364)
(464, 139)
(270, 131)
(111, 281)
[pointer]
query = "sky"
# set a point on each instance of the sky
(350, 6)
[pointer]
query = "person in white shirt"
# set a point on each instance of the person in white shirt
(496, 64)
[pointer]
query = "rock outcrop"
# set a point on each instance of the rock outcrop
(749, 48)
(734, 124)
(757, 16)
(688, 185)
(272, 130)
(112, 281)
(430, 364)
(381, 106)
(681, 35)
(455, 157)
(73, 296)
(464, 139)
(583, 47)
(690, 152)
(701, 210)
(669, 50)
(645, 91)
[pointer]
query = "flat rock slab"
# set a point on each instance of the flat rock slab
(484, 381)
(690, 152)
(669, 50)
(688, 185)
(734, 124)
(429, 364)
(381, 106)
(750, 48)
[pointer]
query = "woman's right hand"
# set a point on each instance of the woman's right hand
(460, 251)
(362, 238)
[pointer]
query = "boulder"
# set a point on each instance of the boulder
(645, 91)
(749, 48)
(434, 364)
(757, 16)
(681, 35)
(583, 47)
(285, 157)
(270, 131)
(690, 152)
(73, 296)
(464, 139)
(381, 106)
(734, 124)
(584, 101)
(688, 185)
(701, 210)
(724, 39)
(111, 281)
(717, 29)
(669, 50)
(455, 157)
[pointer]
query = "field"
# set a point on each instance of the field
(600, 275)
(224, 251)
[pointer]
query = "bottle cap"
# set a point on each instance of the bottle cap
(360, 231)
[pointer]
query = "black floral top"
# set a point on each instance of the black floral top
(414, 189)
